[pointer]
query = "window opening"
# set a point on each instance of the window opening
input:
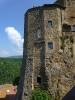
(39, 32)
(49, 23)
(50, 45)
(73, 28)
(38, 79)
(66, 28)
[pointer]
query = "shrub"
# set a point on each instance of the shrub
(71, 39)
(40, 95)
(63, 38)
(72, 55)
(63, 45)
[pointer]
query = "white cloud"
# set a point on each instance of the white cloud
(18, 50)
(4, 53)
(15, 38)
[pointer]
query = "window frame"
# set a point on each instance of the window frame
(73, 28)
(50, 45)
(49, 23)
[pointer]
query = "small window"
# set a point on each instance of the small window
(66, 28)
(38, 79)
(49, 23)
(50, 45)
(73, 28)
(39, 32)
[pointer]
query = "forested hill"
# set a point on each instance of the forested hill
(19, 56)
(10, 70)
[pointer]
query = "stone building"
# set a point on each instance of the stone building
(49, 50)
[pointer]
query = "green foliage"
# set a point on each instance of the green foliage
(71, 49)
(40, 95)
(63, 45)
(10, 70)
(60, 53)
(57, 95)
(71, 39)
(72, 55)
(63, 38)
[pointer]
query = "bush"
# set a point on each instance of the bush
(71, 39)
(63, 46)
(63, 38)
(40, 95)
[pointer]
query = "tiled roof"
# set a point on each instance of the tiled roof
(7, 92)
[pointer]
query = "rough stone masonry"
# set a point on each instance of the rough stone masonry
(49, 50)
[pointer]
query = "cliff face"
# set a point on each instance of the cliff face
(49, 51)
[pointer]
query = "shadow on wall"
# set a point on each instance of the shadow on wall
(44, 84)
(9, 97)
(70, 95)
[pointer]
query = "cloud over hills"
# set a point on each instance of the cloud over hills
(16, 39)
(4, 53)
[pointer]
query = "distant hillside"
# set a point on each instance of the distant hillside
(19, 56)
(10, 70)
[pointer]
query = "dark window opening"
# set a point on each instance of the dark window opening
(66, 28)
(50, 45)
(38, 79)
(25, 94)
(49, 23)
(73, 28)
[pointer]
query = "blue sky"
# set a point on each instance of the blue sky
(12, 24)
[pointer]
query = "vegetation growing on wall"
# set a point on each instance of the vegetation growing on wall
(40, 95)
(57, 95)
(63, 38)
(71, 39)
(10, 70)
(71, 49)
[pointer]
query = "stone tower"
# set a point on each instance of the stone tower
(49, 50)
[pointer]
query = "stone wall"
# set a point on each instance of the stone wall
(49, 51)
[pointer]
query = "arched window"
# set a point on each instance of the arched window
(38, 32)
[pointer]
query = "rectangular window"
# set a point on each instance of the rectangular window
(66, 28)
(73, 28)
(38, 79)
(50, 45)
(49, 23)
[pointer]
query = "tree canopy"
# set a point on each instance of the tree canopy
(10, 70)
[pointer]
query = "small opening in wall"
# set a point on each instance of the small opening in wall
(25, 94)
(50, 45)
(38, 79)
(38, 32)
(66, 28)
(73, 28)
(49, 23)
